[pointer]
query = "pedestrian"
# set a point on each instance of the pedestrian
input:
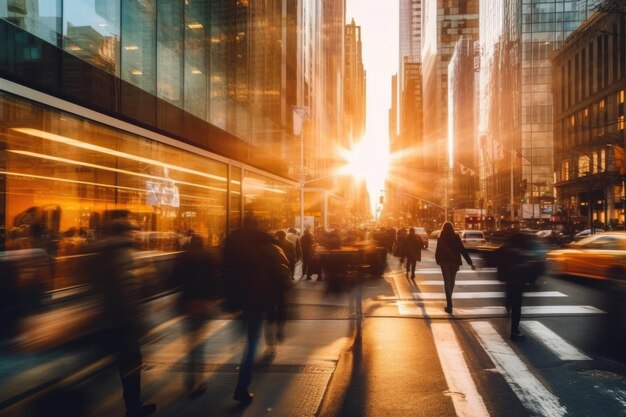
(256, 278)
(399, 247)
(294, 237)
(195, 272)
(119, 294)
(413, 251)
(288, 249)
(307, 243)
(519, 261)
(448, 257)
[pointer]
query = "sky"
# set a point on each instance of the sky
(379, 31)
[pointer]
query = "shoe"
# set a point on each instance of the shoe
(308, 278)
(413, 276)
(516, 334)
(144, 410)
(197, 391)
(448, 309)
(243, 396)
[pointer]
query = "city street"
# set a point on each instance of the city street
(408, 359)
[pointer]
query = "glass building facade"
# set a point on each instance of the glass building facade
(179, 112)
(516, 139)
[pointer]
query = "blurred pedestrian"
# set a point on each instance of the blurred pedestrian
(256, 278)
(195, 272)
(399, 246)
(519, 261)
(293, 236)
(448, 257)
(288, 249)
(307, 243)
(413, 251)
(119, 292)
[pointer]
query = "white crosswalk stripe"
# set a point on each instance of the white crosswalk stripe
(531, 392)
(467, 402)
(561, 348)
(487, 294)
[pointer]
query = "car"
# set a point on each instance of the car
(421, 232)
(585, 233)
(472, 239)
(599, 256)
(435, 234)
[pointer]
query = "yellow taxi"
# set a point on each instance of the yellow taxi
(600, 256)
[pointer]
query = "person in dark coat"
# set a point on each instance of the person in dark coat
(519, 261)
(413, 251)
(119, 294)
(256, 278)
(448, 257)
(399, 247)
(195, 272)
(307, 243)
(288, 249)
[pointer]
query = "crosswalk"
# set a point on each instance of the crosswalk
(424, 298)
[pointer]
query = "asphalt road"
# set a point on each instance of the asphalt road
(413, 359)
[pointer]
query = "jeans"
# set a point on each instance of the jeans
(449, 271)
(254, 321)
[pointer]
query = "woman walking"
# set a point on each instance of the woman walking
(448, 257)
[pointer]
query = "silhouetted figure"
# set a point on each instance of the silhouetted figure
(294, 237)
(195, 272)
(519, 261)
(413, 251)
(256, 278)
(288, 249)
(119, 292)
(448, 257)
(307, 242)
(399, 247)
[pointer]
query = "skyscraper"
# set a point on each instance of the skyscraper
(354, 84)
(516, 133)
(444, 23)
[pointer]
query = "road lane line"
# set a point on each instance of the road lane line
(554, 342)
(422, 308)
(420, 271)
(534, 396)
(403, 292)
(462, 282)
(467, 402)
(484, 294)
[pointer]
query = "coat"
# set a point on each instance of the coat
(449, 250)
(256, 273)
(413, 247)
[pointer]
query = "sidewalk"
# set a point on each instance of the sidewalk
(292, 383)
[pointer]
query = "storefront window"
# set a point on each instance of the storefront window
(62, 174)
(273, 204)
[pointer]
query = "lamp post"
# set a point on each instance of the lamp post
(303, 115)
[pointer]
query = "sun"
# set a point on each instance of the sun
(368, 161)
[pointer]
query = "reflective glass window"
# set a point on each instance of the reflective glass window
(54, 162)
(196, 72)
(91, 31)
(169, 53)
(42, 18)
(139, 44)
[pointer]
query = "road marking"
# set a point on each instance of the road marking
(531, 392)
(413, 308)
(486, 294)
(462, 282)
(467, 402)
(461, 271)
(403, 292)
(554, 342)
